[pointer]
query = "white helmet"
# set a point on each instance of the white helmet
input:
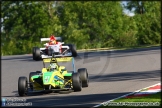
(53, 66)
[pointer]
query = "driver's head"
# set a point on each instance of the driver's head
(53, 66)
(52, 39)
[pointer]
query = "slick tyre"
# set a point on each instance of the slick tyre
(22, 86)
(76, 82)
(73, 50)
(84, 77)
(36, 53)
(50, 51)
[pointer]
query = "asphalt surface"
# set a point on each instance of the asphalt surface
(111, 74)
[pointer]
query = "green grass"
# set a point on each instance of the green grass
(119, 48)
(153, 98)
(134, 47)
(150, 98)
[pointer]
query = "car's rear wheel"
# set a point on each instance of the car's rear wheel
(73, 50)
(76, 82)
(36, 53)
(22, 86)
(84, 76)
(50, 51)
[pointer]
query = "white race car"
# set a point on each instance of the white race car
(60, 49)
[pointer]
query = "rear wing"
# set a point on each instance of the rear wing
(48, 39)
(60, 59)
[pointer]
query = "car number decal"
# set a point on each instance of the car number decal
(46, 79)
(55, 48)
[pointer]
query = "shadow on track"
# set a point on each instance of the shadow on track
(122, 76)
(55, 99)
(89, 100)
(34, 94)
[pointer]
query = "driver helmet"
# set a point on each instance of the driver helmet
(52, 39)
(53, 66)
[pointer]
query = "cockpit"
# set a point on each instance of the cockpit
(53, 67)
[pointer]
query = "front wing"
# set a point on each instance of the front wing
(44, 55)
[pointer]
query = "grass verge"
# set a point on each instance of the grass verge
(119, 48)
(152, 100)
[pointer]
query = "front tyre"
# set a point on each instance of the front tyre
(22, 86)
(84, 76)
(76, 82)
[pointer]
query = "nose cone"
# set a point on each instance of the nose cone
(47, 77)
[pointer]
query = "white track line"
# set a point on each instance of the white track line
(126, 95)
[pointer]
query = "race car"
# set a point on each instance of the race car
(59, 49)
(54, 78)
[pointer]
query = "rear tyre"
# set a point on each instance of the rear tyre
(36, 53)
(22, 86)
(84, 77)
(50, 51)
(76, 82)
(34, 57)
(73, 50)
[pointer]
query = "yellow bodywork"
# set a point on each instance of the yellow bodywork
(63, 59)
(60, 68)
(60, 72)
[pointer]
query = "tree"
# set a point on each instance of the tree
(26, 22)
(147, 15)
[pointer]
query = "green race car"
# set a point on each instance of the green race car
(54, 78)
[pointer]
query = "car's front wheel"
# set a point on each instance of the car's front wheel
(76, 82)
(84, 76)
(22, 86)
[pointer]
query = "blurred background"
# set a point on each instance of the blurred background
(87, 24)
